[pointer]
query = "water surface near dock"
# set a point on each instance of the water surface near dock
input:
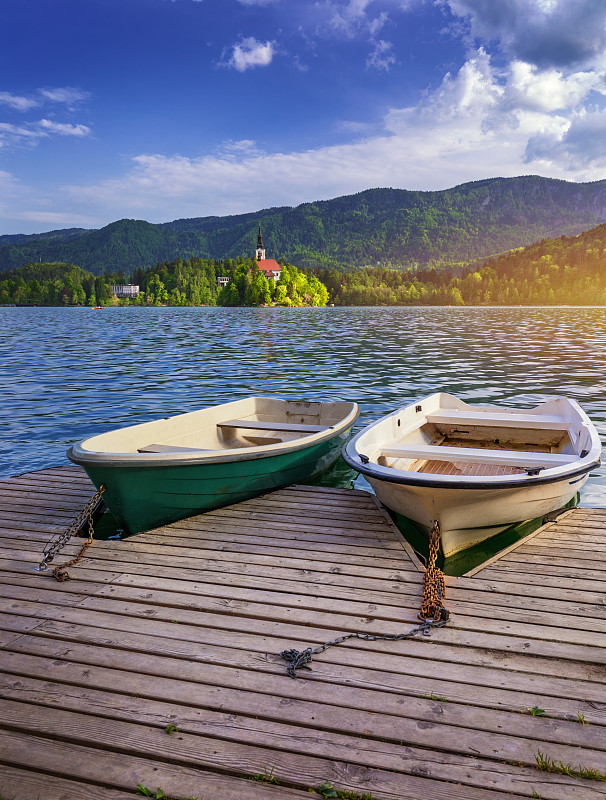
(69, 373)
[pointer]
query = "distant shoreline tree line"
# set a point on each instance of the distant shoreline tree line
(564, 271)
(193, 282)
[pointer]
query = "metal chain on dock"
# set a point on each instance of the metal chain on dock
(432, 612)
(434, 584)
(58, 542)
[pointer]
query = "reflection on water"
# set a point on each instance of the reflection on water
(70, 373)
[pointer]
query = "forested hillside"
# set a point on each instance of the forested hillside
(387, 227)
(563, 271)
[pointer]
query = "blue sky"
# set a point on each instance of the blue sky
(161, 109)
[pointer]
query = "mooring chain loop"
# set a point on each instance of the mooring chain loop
(432, 612)
(58, 542)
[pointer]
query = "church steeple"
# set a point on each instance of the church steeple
(260, 254)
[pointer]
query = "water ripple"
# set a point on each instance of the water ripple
(70, 373)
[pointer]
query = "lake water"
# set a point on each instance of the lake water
(69, 373)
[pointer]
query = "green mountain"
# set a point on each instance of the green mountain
(568, 270)
(391, 227)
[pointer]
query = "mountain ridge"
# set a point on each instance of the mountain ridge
(398, 228)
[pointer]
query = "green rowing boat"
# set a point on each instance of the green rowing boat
(163, 471)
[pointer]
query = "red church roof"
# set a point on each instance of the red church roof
(266, 264)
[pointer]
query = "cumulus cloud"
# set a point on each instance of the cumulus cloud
(550, 90)
(579, 145)
(250, 53)
(547, 33)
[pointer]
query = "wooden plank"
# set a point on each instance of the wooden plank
(258, 425)
(478, 455)
(505, 419)
(470, 573)
(279, 735)
(261, 603)
(106, 768)
(478, 616)
(179, 679)
(412, 555)
(22, 784)
(228, 641)
(245, 582)
(471, 645)
(340, 707)
(199, 750)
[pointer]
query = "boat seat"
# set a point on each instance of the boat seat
(454, 416)
(478, 455)
(170, 448)
(253, 424)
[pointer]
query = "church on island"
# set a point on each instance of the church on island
(268, 266)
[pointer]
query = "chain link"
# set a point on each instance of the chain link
(58, 542)
(434, 584)
(432, 612)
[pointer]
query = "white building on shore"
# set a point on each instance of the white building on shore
(125, 290)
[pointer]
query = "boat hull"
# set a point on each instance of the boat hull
(476, 470)
(147, 496)
(469, 516)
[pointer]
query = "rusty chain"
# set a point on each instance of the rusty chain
(434, 584)
(58, 542)
(432, 613)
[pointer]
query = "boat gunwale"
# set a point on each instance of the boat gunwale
(98, 458)
(555, 474)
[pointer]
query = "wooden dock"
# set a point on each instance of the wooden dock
(180, 629)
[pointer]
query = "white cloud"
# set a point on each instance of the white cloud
(17, 102)
(64, 129)
(347, 18)
(10, 133)
(382, 57)
(550, 90)
(239, 148)
(578, 145)
(251, 53)
(32, 132)
(67, 94)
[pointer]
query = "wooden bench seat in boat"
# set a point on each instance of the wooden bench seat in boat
(477, 455)
(170, 448)
(454, 416)
(256, 425)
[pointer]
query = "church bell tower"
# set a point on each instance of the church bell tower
(260, 254)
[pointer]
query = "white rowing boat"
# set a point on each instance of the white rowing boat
(476, 470)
